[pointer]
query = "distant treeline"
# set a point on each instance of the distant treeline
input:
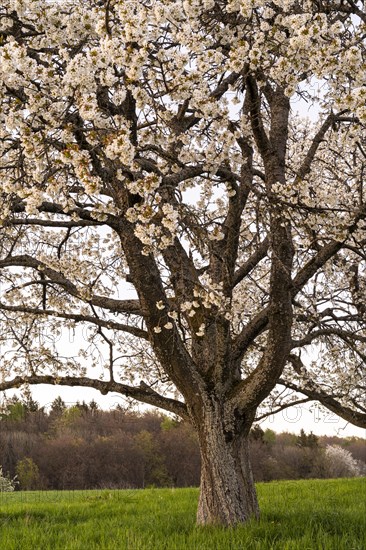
(83, 447)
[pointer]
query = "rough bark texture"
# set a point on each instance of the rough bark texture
(227, 491)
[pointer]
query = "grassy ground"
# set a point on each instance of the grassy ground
(296, 515)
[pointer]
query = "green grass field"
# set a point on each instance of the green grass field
(296, 515)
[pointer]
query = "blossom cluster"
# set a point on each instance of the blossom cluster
(161, 117)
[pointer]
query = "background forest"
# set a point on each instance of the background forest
(83, 447)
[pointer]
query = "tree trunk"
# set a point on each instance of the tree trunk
(227, 491)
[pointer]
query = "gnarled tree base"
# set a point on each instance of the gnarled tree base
(227, 492)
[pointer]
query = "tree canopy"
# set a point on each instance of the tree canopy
(160, 186)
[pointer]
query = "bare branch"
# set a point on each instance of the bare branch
(283, 407)
(251, 262)
(78, 318)
(345, 335)
(143, 393)
(350, 415)
(118, 306)
(312, 391)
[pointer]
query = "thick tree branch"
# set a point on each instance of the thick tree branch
(345, 335)
(78, 318)
(259, 132)
(306, 165)
(143, 393)
(252, 390)
(350, 415)
(116, 306)
(328, 251)
(317, 394)
(49, 223)
(85, 215)
(259, 323)
(168, 344)
(251, 262)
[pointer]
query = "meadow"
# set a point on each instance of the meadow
(295, 515)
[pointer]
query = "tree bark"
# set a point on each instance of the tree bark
(227, 491)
